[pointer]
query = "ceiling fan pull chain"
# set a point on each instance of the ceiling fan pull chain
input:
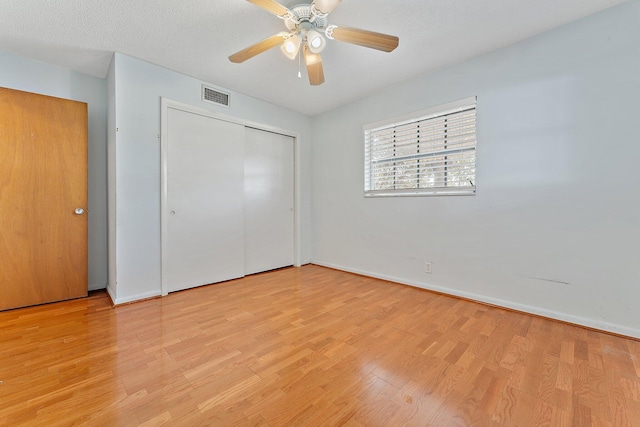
(299, 65)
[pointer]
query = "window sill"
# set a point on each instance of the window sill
(417, 193)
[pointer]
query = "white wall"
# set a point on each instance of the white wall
(111, 178)
(138, 89)
(38, 77)
(558, 190)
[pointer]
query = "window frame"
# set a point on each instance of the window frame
(416, 117)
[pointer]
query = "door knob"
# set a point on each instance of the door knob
(79, 211)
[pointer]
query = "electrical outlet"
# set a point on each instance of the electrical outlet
(427, 267)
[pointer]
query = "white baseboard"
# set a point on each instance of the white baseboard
(564, 317)
(133, 298)
(97, 286)
(112, 292)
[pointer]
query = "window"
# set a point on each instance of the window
(431, 153)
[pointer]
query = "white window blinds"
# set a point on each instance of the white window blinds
(431, 153)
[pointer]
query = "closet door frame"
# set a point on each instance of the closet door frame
(165, 105)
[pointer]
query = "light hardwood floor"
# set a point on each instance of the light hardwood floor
(309, 346)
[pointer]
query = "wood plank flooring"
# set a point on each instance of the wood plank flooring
(309, 346)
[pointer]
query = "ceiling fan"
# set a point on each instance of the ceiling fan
(304, 23)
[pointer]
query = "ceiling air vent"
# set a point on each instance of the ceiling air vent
(215, 96)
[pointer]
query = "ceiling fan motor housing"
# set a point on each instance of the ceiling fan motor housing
(306, 22)
(303, 15)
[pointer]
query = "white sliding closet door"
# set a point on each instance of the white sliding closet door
(268, 201)
(205, 201)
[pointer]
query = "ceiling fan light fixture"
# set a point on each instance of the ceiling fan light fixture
(291, 46)
(325, 6)
(315, 41)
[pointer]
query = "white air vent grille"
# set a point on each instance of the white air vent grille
(215, 96)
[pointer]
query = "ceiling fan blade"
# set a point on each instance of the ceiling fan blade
(326, 6)
(314, 67)
(271, 6)
(383, 42)
(258, 48)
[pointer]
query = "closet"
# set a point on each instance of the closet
(228, 200)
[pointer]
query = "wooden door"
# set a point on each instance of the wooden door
(268, 201)
(43, 199)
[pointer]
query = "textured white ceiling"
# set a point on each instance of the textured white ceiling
(195, 37)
